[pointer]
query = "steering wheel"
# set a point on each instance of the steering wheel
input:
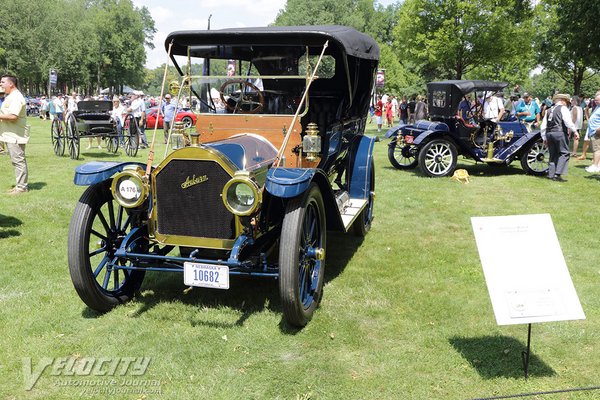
(242, 98)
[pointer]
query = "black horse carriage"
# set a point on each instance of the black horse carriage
(93, 119)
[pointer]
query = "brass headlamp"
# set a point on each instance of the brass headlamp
(130, 187)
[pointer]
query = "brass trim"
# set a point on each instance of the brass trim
(134, 173)
(244, 178)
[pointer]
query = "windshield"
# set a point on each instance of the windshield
(271, 82)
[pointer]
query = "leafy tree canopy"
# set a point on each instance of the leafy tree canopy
(90, 43)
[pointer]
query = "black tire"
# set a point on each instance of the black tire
(437, 158)
(302, 256)
(188, 122)
(534, 159)
(402, 156)
(131, 136)
(72, 137)
(58, 137)
(95, 232)
(362, 224)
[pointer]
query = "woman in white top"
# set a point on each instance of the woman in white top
(117, 115)
(577, 117)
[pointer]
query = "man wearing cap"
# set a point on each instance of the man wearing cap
(555, 132)
(493, 107)
(528, 112)
(14, 129)
(168, 111)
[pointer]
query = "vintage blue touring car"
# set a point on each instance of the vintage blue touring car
(277, 158)
(436, 144)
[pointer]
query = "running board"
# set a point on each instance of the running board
(351, 210)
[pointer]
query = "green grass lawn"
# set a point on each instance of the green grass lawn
(405, 314)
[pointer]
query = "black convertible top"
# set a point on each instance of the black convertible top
(348, 40)
(466, 87)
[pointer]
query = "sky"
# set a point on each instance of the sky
(176, 15)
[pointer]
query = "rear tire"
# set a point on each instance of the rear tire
(362, 224)
(535, 158)
(131, 135)
(438, 158)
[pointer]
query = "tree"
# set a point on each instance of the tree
(566, 42)
(89, 42)
(377, 22)
(454, 39)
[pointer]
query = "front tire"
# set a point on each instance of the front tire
(72, 137)
(96, 231)
(58, 137)
(302, 256)
(535, 158)
(438, 158)
(402, 156)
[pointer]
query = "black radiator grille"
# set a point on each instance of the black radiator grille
(196, 209)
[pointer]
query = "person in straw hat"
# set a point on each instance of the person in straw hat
(555, 132)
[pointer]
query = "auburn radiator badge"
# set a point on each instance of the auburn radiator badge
(193, 181)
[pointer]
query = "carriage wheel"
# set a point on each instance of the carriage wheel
(58, 137)
(72, 137)
(112, 144)
(131, 136)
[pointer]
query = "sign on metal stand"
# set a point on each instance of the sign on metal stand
(525, 271)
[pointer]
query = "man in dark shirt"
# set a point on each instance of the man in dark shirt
(403, 107)
(411, 110)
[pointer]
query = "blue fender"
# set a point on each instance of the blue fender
(394, 131)
(288, 182)
(98, 171)
(426, 135)
(361, 168)
(518, 145)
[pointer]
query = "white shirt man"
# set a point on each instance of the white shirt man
(493, 108)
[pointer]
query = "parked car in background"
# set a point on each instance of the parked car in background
(278, 158)
(186, 116)
(434, 145)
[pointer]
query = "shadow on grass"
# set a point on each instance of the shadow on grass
(499, 357)
(36, 185)
(246, 295)
(99, 154)
(474, 169)
(7, 221)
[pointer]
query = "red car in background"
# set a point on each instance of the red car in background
(187, 117)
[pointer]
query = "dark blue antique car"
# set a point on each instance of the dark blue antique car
(277, 158)
(457, 127)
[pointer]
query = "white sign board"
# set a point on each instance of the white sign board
(525, 270)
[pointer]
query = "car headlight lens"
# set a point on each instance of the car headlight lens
(129, 188)
(241, 195)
